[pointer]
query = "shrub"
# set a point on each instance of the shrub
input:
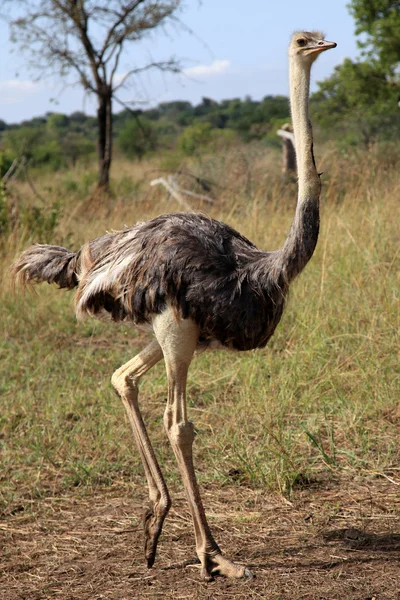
(137, 138)
(195, 138)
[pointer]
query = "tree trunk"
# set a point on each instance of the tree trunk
(104, 146)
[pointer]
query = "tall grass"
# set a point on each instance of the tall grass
(321, 398)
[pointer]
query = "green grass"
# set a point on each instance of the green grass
(322, 398)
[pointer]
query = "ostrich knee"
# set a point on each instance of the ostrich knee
(181, 435)
(124, 384)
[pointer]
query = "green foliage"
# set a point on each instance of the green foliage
(358, 103)
(48, 153)
(379, 21)
(258, 123)
(57, 141)
(24, 140)
(137, 138)
(247, 117)
(195, 138)
(359, 98)
(54, 144)
(57, 122)
(75, 147)
(6, 160)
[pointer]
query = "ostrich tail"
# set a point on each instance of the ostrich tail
(41, 262)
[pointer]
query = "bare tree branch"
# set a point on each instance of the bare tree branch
(121, 18)
(88, 38)
(116, 63)
(169, 65)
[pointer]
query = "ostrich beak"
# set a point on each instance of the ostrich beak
(321, 46)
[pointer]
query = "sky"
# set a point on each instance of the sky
(239, 48)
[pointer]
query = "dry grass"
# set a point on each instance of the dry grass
(321, 401)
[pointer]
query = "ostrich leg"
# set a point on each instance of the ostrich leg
(125, 381)
(178, 340)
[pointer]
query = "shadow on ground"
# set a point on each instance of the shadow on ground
(329, 543)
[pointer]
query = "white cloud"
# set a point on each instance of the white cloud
(19, 85)
(16, 90)
(217, 67)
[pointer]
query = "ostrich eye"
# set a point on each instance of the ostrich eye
(301, 42)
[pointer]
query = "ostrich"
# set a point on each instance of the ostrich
(199, 284)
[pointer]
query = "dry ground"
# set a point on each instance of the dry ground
(336, 540)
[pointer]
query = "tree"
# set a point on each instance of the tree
(58, 122)
(379, 21)
(136, 138)
(362, 95)
(359, 97)
(195, 138)
(23, 140)
(87, 38)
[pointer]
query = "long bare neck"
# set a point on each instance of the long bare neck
(302, 239)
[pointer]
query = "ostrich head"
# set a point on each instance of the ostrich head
(307, 45)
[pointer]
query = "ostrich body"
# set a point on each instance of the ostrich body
(199, 284)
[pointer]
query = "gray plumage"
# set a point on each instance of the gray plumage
(42, 262)
(203, 268)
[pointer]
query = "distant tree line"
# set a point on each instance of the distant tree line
(60, 140)
(358, 104)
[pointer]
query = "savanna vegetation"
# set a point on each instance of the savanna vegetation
(321, 397)
(319, 404)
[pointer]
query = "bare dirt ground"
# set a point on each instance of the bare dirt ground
(336, 540)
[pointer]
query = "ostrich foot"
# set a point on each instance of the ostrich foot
(219, 565)
(153, 520)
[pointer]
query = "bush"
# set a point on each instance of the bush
(24, 140)
(6, 160)
(137, 138)
(75, 146)
(49, 153)
(195, 138)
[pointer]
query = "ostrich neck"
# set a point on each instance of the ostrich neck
(301, 241)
